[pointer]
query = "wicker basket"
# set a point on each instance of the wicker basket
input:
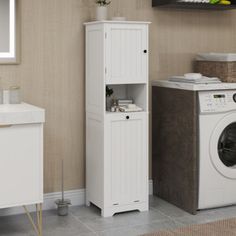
(224, 70)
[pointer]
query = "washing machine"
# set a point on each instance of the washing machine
(217, 148)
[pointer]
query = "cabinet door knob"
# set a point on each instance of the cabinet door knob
(145, 51)
(127, 117)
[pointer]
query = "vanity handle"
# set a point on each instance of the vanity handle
(145, 51)
(127, 117)
(5, 126)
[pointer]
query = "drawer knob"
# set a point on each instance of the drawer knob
(127, 117)
(145, 51)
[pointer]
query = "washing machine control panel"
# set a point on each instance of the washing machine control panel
(217, 101)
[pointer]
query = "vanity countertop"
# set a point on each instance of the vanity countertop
(21, 114)
(193, 87)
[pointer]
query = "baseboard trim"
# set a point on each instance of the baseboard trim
(77, 198)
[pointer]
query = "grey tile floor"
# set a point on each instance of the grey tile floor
(86, 221)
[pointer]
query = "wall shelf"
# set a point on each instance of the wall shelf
(191, 5)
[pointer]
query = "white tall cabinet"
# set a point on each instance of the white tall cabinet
(117, 143)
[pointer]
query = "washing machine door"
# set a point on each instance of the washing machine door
(223, 146)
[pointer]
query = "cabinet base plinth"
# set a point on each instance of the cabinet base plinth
(110, 211)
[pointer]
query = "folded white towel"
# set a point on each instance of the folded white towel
(201, 80)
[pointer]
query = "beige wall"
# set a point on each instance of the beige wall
(51, 72)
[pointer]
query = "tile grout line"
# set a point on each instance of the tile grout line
(169, 217)
(81, 222)
(135, 225)
(131, 226)
(121, 227)
(176, 219)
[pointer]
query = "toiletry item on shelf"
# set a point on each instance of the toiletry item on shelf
(130, 108)
(114, 107)
(109, 98)
(14, 95)
(125, 105)
(122, 102)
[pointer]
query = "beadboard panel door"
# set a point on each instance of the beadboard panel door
(126, 53)
(126, 162)
(21, 165)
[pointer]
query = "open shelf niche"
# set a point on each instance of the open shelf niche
(136, 92)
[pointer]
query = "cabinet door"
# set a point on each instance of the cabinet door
(21, 165)
(126, 161)
(126, 53)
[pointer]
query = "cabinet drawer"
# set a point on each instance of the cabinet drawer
(125, 116)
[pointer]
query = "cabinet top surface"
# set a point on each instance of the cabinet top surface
(116, 22)
(23, 107)
(193, 87)
(21, 114)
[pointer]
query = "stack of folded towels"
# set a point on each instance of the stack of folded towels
(195, 78)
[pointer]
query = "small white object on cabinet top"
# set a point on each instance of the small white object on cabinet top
(21, 114)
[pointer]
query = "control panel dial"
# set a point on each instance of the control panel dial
(234, 97)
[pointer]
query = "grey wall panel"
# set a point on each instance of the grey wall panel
(175, 147)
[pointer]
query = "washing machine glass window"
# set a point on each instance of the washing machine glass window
(227, 146)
